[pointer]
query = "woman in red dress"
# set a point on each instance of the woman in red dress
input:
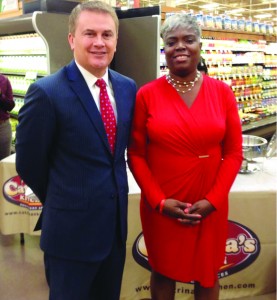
(185, 152)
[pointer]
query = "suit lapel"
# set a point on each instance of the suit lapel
(80, 88)
(118, 89)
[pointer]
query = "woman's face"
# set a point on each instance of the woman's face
(182, 51)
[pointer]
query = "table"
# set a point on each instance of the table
(250, 248)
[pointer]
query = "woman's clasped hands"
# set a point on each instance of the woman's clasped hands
(187, 213)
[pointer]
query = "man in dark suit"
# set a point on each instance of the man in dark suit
(63, 154)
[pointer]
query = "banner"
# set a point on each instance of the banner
(19, 207)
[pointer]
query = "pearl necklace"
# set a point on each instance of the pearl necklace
(186, 86)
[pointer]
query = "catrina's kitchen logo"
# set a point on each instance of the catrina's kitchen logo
(242, 249)
(17, 192)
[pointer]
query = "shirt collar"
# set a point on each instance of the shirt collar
(90, 78)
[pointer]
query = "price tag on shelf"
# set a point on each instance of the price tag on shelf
(31, 75)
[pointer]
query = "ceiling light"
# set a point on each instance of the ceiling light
(209, 6)
(235, 11)
(262, 16)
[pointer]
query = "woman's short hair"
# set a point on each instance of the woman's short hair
(95, 6)
(180, 20)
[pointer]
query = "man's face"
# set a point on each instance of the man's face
(94, 41)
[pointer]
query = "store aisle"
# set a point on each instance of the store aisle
(22, 272)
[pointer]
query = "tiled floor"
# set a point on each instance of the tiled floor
(22, 272)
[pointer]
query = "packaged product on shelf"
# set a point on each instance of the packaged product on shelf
(269, 29)
(162, 58)
(200, 19)
(218, 22)
(168, 14)
(229, 56)
(234, 23)
(249, 25)
(190, 12)
(256, 26)
(263, 28)
(163, 70)
(208, 21)
(241, 24)
(260, 70)
(234, 71)
(226, 22)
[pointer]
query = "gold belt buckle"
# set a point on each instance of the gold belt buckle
(204, 156)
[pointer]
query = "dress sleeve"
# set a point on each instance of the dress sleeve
(137, 154)
(231, 153)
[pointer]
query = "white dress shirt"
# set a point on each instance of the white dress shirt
(95, 90)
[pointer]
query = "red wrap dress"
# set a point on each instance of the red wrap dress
(187, 154)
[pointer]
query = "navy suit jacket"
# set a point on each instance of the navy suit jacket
(63, 155)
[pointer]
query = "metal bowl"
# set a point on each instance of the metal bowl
(254, 152)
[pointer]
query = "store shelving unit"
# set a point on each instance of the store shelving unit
(241, 64)
(247, 62)
(43, 33)
(32, 46)
(249, 67)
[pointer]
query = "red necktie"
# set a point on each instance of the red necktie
(107, 113)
